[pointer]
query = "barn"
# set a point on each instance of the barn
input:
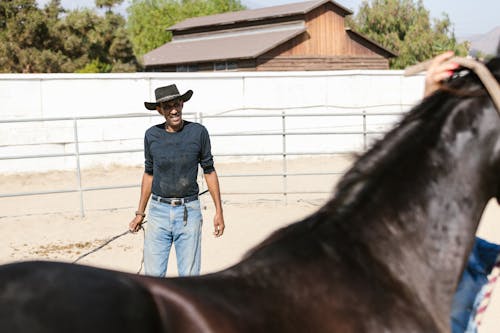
(305, 36)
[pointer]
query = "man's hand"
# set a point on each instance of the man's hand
(218, 224)
(135, 224)
(439, 70)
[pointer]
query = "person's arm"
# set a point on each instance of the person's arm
(213, 187)
(147, 182)
(207, 164)
(439, 70)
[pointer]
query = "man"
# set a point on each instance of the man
(484, 254)
(470, 290)
(173, 150)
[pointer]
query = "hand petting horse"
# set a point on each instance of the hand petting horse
(383, 255)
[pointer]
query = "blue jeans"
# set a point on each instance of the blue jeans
(166, 226)
(468, 295)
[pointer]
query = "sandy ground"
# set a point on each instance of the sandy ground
(50, 227)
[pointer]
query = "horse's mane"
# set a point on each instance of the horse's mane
(417, 131)
(404, 148)
(408, 141)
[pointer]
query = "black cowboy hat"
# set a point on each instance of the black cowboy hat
(167, 93)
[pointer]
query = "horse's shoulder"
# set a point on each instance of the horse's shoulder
(180, 307)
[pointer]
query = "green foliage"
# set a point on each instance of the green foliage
(95, 67)
(49, 40)
(404, 27)
(35, 40)
(149, 19)
(107, 3)
(23, 34)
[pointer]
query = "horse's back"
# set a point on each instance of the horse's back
(232, 302)
(58, 297)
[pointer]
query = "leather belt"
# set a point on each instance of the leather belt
(175, 201)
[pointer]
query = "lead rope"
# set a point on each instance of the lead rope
(487, 292)
(109, 241)
(128, 232)
(143, 237)
(488, 80)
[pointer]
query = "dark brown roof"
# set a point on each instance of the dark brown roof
(246, 44)
(254, 15)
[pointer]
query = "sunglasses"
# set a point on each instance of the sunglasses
(170, 106)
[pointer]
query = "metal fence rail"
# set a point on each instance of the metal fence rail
(284, 133)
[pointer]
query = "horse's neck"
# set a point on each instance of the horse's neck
(428, 241)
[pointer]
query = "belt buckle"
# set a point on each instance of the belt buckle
(176, 202)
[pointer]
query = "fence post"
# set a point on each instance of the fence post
(78, 170)
(364, 130)
(284, 155)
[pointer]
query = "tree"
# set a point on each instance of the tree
(97, 42)
(148, 19)
(108, 4)
(27, 43)
(48, 40)
(404, 26)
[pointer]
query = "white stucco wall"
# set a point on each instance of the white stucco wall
(50, 96)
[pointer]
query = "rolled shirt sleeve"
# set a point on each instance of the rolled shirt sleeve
(206, 158)
(148, 159)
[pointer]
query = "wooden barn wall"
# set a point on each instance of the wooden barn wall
(353, 47)
(327, 31)
(359, 46)
(315, 41)
(326, 36)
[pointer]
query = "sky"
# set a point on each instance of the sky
(469, 17)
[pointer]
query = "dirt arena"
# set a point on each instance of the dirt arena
(49, 227)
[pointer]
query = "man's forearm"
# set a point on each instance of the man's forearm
(214, 189)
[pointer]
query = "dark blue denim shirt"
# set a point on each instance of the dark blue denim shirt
(173, 158)
(475, 276)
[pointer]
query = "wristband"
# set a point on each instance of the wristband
(139, 213)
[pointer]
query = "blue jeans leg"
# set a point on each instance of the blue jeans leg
(187, 239)
(158, 239)
(471, 325)
(470, 290)
(462, 306)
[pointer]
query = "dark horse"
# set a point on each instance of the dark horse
(383, 255)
